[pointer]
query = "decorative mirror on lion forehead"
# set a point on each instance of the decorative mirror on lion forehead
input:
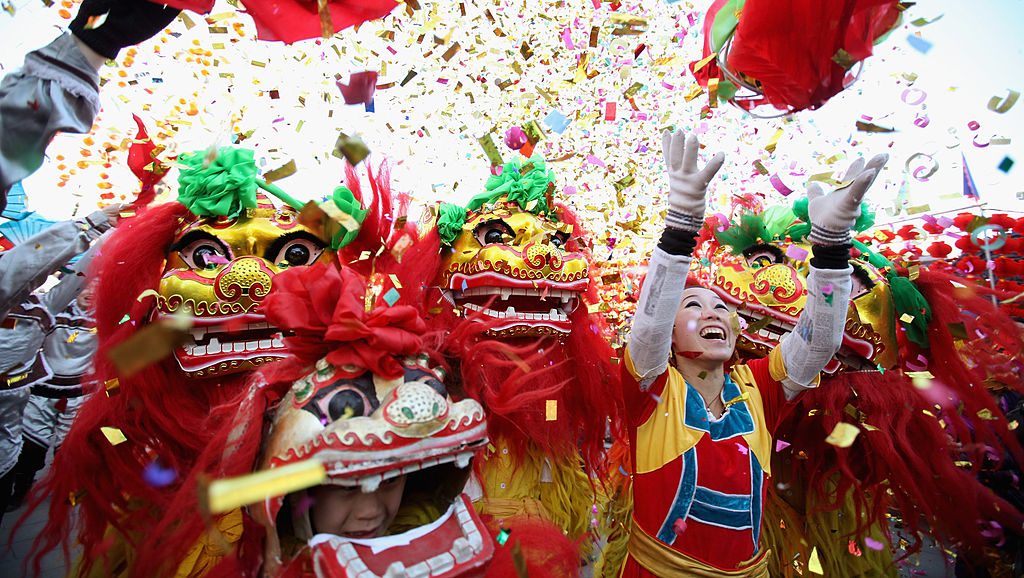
(760, 266)
(224, 258)
(509, 255)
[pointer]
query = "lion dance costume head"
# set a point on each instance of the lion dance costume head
(516, 284)
(210, 258)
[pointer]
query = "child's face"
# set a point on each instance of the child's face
(351, 513)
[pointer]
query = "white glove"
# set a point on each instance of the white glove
(687, 186)
(833, 215)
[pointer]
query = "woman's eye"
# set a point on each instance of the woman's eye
(298, 253)
(493, 233)
(204, 254)
(692, 304)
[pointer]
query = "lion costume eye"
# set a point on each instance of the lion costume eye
(295, 250)
(559, 239)
(493, 232)
(760, 256)
(862, 282)
(200, 250)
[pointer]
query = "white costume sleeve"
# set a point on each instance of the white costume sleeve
(650, 337)
(819, 331)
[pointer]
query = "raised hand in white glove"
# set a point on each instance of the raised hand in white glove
(833, 215)
(687, 186)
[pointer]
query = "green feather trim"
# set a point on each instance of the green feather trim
(748, 232)
(908, 300)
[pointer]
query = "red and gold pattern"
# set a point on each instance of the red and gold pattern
(768, 288)
(219, 271)
(512, 265)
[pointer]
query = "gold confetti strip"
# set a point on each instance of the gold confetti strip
(551, 410)
(774, 141)
(284, 171)
(1002, 105)
(843, 435)
(227, 494)
(149, 345)
(113, 435)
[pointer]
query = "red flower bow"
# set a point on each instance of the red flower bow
(323, 307)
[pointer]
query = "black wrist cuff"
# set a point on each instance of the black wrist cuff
(831, 256)
(678, 242)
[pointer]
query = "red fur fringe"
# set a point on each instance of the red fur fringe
(911, 455)
(162, 416)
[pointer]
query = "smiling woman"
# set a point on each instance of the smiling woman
(702, 438)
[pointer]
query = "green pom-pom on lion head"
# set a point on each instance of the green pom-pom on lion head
(450, 220)
(526, 184)
(223, 186)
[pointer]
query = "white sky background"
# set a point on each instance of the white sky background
(976, 54)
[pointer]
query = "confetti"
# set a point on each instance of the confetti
(227, 494)
(873, 544)
(557, 121)
(391, 297)
(814, 563)
(919, 44)
(843, 435)
(1002, 105)
(150, 344)
(551, 410)
(113, 435)
(360, 87)
(112, 386)
(284, 171)
(158, 476)
(351, 147)
(503, 535)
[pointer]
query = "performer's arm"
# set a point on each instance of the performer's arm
(819, 331)
(62, 294)
(650, 337)
(57, 89)
(25, 267)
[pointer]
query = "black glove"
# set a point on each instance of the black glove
(128, 22)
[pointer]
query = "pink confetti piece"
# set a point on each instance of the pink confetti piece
(873, 544)
(679, 526)
(780, 186)
(781, 445)
(567, 38)
(596, 161)
(796, 253)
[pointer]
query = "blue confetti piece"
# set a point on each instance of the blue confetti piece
(557, 121)
(392, 296)
(919, 44)
(158, 476)
(1006, 164)
(369, 106)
